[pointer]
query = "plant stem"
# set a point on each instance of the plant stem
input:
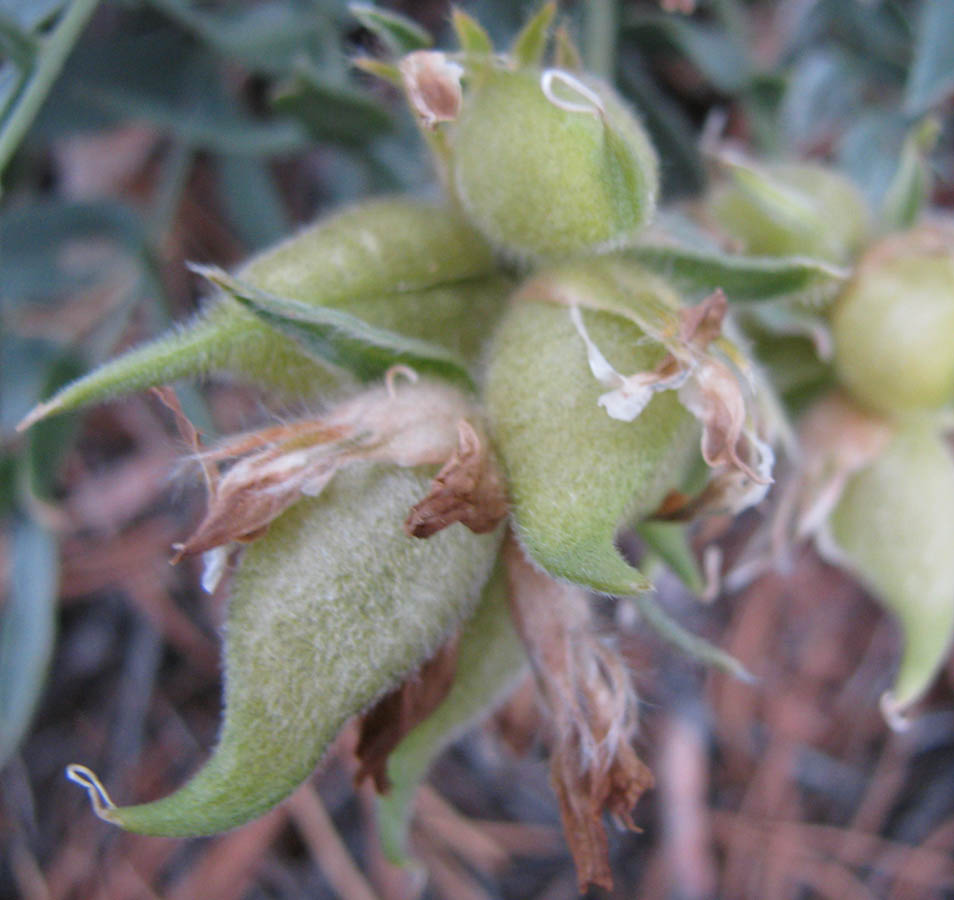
(599, 48)
(55, 48)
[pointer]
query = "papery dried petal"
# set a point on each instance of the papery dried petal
(432, 83)
(278, 465)
(587, 690)
(468, 489)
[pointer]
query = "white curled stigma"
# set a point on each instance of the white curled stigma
(86, 778)
(593, 104)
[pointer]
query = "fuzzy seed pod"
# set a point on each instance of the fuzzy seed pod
(575, 473)
(548, 164)
(894, 324)
(333, 607)
(894, 528)
(791, 209)
(394, 263)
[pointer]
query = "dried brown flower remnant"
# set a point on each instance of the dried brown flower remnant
(397, 713)
(276, 466)
(468, 489)
(432, 83)
(587, 690)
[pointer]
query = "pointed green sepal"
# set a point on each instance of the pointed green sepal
(471, 36)
(490, 660)
(531, 43)
(331, 609)
(566, 54)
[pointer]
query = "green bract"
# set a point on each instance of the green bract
(547, 163)
(894, 527)
(894, 324)
(786, 209)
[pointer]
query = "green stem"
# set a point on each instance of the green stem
(599, 47)
(55, 49)
(686, 641)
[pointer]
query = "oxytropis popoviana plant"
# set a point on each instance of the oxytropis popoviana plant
(487, 390)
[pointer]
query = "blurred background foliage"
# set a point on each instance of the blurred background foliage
(138, 134)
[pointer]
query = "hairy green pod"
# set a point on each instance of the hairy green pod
(395, 263)
(542, 176)
(792, 209)
(333, 607)
(489, 660)
(894, 526)
(893, 326)
(576, 475)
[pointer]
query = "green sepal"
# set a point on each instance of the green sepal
(894, 528)
(332, 608)
(471, 36)
(670, 542)
(812, 282)
(398, 33)
(531, 43)
(575, 474)
(490, 659)
(335, 337)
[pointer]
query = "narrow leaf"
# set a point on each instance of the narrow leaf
(931, 77)
(330, 610)
(529, 45)
(398, 33)
(335, 337)
(27, 625)
(742, 277)
(910, 189)
(331, 110)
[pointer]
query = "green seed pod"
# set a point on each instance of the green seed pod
(490, 659)
(333, 607)
(548, 163)
(893, 324)
(894, 527)
(575, 474)
(791, 209)
(395, 263)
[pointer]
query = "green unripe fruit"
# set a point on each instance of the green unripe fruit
(575, 474)
(894, 325)
(332, 608)
(894, 525)
(792, 209)
(547, 164)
